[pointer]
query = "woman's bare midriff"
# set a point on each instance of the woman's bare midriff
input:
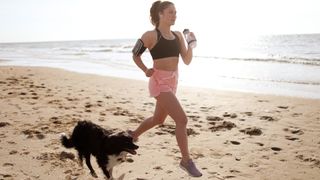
(166, 64)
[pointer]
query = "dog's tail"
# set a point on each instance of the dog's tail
(65, 141)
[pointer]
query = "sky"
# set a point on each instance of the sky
(56, 20)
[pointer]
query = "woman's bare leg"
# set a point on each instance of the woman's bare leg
(158, 117)
(169, 102)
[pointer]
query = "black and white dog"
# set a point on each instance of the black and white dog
(110, 149)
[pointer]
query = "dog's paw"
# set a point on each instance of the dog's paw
(93, 174)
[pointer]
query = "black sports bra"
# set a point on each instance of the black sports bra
(165, 48)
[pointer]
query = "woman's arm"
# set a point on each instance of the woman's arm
(139, 63)
(185, 52)
(137, 57)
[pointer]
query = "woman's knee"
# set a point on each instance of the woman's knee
(159, 120)
(182, 122)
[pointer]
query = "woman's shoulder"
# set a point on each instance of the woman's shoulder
(149, 37)
(149, 34)
(178, 33)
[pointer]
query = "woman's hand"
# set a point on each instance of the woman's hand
(149, 72)
(191, 34)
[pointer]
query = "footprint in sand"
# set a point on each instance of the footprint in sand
(267, 118)
(55, 121)
(158, 168)
(315, 162)
(88, 105)
(259, 144)
(32, 133)
(108, 97)
(248, 113)
(124, 102)
(23, 94)
(194, 117)
(8, 165)
(129, 160)
(232, 115)
(6, 175)
(296, 114)
(197, 153)
(170, 129)
(291, 138)
(72, 99)
(169, 172)
(235, 142)
(294, 130)
(13, 152)
(234, 171)
(164, 128)
(99, 103)
(252, 131)
(68, 172)
(160, 133)
(3, 135)
(221, 126)
(103, 114)
(88, 111)
(283, 107)
(276, 148)
(3, 124)
(118, 111)
(137, 119)
(66, 155)
(260, 100)
(229, 177)
(206, 109)
(214, 118)
(11, 142)
(149, 104)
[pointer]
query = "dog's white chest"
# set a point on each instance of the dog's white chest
(116, 159)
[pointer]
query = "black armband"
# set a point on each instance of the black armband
(138, 48)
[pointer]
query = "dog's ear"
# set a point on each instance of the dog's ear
(112, 140)
(107, 143)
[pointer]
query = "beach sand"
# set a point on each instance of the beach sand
(232, 135)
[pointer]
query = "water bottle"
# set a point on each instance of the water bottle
(191, 40)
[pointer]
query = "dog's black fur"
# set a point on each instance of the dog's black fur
(109, 149)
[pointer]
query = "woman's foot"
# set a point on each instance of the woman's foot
(131, 133)
(190, 168)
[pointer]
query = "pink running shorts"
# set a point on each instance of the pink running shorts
(163, 81)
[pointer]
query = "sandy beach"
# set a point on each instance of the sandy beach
(232, 135)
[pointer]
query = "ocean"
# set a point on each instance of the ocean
(286, 65)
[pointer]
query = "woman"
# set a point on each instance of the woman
(165, 46)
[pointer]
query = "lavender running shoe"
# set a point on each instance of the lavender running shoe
(191, 169)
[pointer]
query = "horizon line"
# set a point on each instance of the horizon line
(102, 39)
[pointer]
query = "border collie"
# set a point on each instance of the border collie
(110, 149)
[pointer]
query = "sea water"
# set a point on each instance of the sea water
(277, 64)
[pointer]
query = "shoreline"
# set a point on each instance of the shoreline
(256, 88)
(231, 134)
